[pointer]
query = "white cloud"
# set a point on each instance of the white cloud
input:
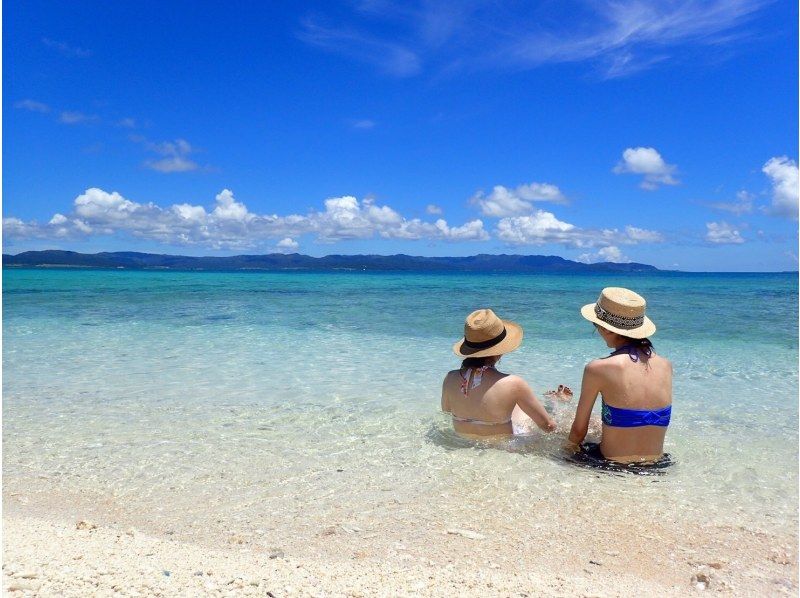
(537, 229)
(364, 124)
(627, 36)
(433, 209)
(14, 227)
(190, 213)
(32, 106)
(175, 155)
(542, 227)
(618, 37)
(783, 174)
(173, 164)
(388, 55)
(648, 162)
(66, 48)
(287, 245)
(610, 253)
(128, 123)
(722, 233)
(742, 205)
(640, 235)
(503, 201)
(471, 231)
(230, 224)
(230, 209)
(69, 117)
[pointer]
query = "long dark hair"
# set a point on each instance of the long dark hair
(478, 362)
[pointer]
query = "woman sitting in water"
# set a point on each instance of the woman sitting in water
(481, 399)
(635, 383)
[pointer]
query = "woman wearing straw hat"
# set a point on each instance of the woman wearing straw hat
(480, 398)
(635, 383)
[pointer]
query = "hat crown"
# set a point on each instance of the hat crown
(622, 302)
(482, 325)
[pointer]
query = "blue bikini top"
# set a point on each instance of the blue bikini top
(634, 418)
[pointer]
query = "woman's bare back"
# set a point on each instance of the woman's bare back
(486, 408)
(645, 384)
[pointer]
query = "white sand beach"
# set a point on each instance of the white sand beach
(82, 546)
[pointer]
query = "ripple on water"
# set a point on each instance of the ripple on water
(206, 400)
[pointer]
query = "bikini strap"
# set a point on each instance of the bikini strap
(477, 377)
(633, 351)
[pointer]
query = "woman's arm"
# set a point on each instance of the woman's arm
(590, 388)
(445, 402)
(529, 404)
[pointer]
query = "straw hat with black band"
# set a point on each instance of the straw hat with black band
(485, 335)
(622, 311)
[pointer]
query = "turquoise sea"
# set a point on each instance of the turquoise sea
(202, 399)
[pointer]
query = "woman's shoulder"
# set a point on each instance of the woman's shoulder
(604, 363)
(510, 381)
(452, 374)
(660, 357)
(661, 361)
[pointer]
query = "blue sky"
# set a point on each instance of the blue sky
(656, 132)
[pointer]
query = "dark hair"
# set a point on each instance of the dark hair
(476, 362)
(639, 343)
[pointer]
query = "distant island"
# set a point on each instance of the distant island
(295, 261)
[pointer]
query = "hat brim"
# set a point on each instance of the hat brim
(511, 342)
(646, 329)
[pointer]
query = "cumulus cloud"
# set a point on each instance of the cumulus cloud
(471, 231)
(230, 224)
(502, 201)
(783, 174)
(722, 233)
(610, 253)
(433, 209)
(287, 245)
(32, 106)
(541, 228)
(649, 163)
(536, 229)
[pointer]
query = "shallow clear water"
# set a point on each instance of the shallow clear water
(230, 395)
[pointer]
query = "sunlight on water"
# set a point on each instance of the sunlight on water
(209, 396)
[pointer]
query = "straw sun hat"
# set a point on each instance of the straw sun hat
(485, 334)
(622, 311)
